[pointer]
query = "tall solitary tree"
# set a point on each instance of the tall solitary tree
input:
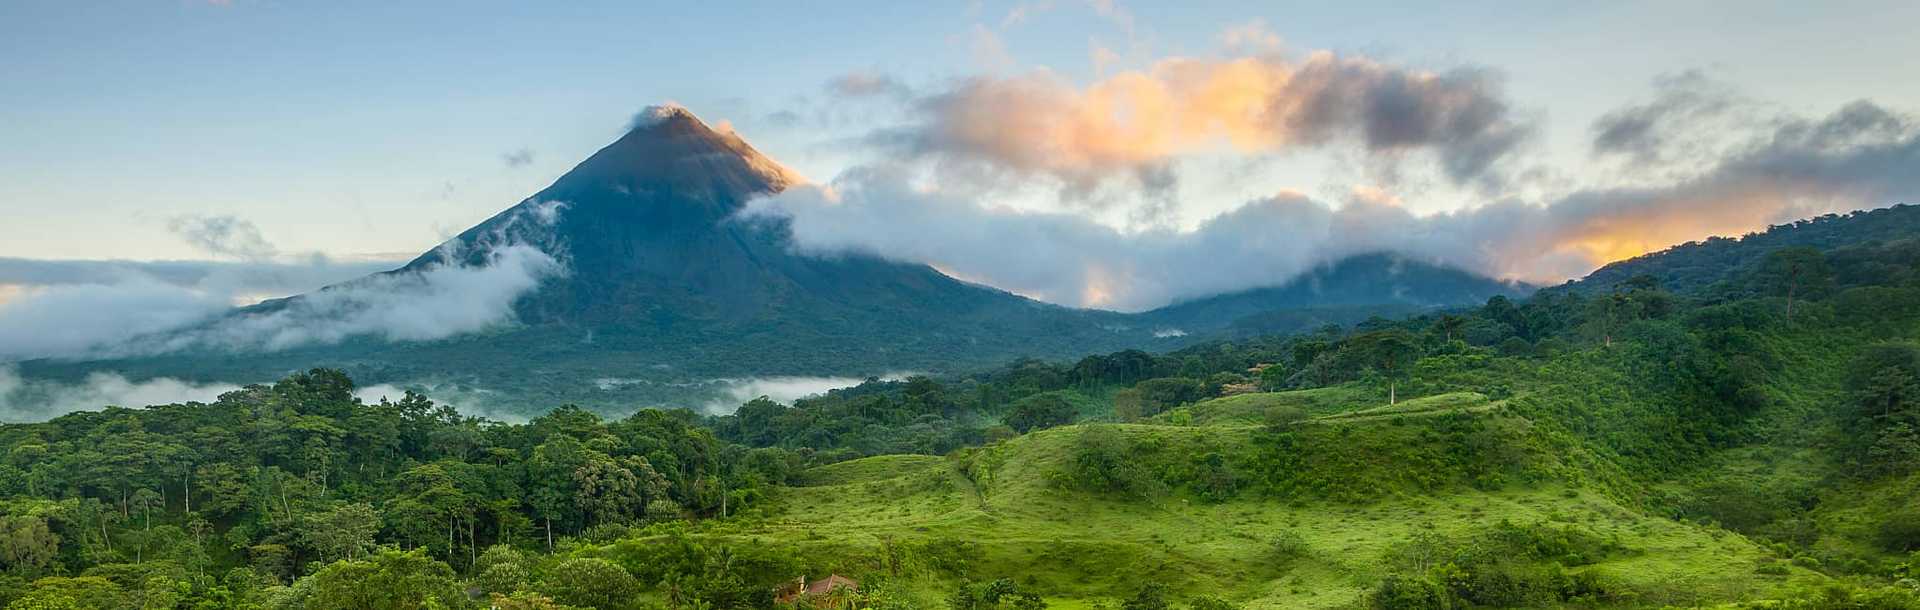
(1389, 352)
(1797, 272)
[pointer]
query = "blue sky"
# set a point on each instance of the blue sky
(375, 129)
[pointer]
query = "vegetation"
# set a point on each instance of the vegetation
(1750, 441)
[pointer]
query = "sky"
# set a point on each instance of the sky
(176, 156)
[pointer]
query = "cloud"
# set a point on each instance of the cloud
(784, 390)
(32, 400)
(656, 114)
(432, 303)
(1858, 157)
(518, 158)
(62, 308)
(72, 319)
(1131, 125)
(470, 401)
(1687, 107)
(868, 84)
(987, 50)
(223, 236)
(95, 309)
(1250, 37)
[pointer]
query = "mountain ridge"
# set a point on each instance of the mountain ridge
(654, 277)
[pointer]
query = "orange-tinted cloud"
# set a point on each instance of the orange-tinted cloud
(1859, 157)
(1134, 120)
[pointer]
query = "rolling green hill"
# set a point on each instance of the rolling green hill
(1749, 443)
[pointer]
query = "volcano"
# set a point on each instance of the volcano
(653, 288)
(648, 230)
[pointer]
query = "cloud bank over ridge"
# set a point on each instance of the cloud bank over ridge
(92, 309)
(1788, 166)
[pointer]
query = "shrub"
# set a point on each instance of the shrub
(1285, 548)
(1209, 603)
(1281, 417)
(1397, 592)
(1040, 411)
(1103, 462)
(1151, 596)
(593, 583)
(1900, 533)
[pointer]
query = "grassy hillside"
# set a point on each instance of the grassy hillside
(1755, 444)
(1362, 484)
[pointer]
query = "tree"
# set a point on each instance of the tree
(1449, 325)
(1607, 312)
(999, 594)
(1390, 353)
(78, 593)
(388, 580)
(1103, 462)
(1209, 603)
(27, 546)
(1150, 596)
(1273, 377)
(551, 469)
(1040, 411)
(591, 583)
(1796, 272)
(430, 507)
(1886, 418)
(524, 600)
(1158, 395)
(605, 492)
(345, 532)
(1129, 405)
(502, 569)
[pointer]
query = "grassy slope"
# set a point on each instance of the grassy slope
(1079, 549)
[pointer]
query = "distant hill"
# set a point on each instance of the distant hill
(666, 294)
(1342, 292)
(1696, 265)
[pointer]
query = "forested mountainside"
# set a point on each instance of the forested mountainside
(1340, 292)
(646, 275)
(1699, 265)
(1753, 441)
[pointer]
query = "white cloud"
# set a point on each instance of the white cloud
(66, 308)
(433, 303)
(86, 309)
(470, 401)
(1861, 156)
(784, 390)
(29, 400)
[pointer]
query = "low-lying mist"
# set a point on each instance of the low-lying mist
(33, 400)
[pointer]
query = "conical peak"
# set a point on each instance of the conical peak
(655, 116)
(667, 148)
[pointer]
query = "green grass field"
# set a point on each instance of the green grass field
(922, 524)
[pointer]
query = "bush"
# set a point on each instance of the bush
(1209, 603)
(593, 583)
(1900, 533)
(1397, 592)
(387, 580)
(1285, 548)
(1039, 412)
(1103, 462)
(1281, 417)
(1151, 596)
